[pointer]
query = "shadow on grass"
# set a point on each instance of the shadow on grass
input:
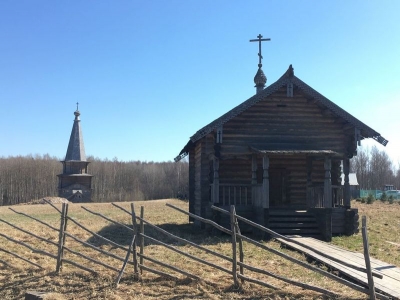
(123, 236)
(74, 283)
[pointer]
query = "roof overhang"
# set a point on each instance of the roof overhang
(295, 152)
(286, 79)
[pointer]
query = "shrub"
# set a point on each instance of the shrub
(391, 199)
(384, 197)
(370, 199)
(363, 200)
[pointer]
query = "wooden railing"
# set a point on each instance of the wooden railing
(316, 195)
(251, 195)
(232, 194)
(237, 194)
(337, 195)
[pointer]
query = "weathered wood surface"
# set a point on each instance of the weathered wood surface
(389, 284)
(299, 122)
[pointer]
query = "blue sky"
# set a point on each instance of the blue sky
(149, 74)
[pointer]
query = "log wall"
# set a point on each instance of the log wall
(277, 122)
(285, 123)
(192, 172)
(201, 175)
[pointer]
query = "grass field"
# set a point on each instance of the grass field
(17, 276)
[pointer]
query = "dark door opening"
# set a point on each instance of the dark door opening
(277, 187)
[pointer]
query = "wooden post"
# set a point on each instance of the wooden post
(371, 285)
(310, 200)
(327, 183)
(60, 239)
(61, 236)
(65, 229)
(241, 253)
(141, 237)
(234, 257)
(128, 253)
(216, 181)
(265, 182)
(254, 201)
(346, 194)
(254, 169)
(134, 250)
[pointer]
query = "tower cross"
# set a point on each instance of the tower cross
(259, 40)
(77, 105)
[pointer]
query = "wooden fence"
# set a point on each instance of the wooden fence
(139, 257)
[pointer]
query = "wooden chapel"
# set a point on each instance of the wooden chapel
(279, 157)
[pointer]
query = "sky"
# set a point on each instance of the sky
(149, 74)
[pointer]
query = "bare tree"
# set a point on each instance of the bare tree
(374, 169)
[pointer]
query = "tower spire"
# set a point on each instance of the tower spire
(76, 148)
(260, 79)
(75, 184)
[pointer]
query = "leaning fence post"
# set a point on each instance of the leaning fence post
(371, 285)
(234, 257)
(134, 251)
(61, 239)
(125, 261)
(141, 238)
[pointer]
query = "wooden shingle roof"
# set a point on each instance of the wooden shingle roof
(287, 78)
(76, 148)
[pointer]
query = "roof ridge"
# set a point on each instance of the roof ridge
(288, 77)
(237, 110)
(331, 105)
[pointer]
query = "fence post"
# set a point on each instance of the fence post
(125, 261)
(134, 225)
(371, 285)
(141, 237)
(234, 257)
(61, 239)
(241, 254)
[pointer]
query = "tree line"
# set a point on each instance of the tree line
(25, 178)
(374, 169)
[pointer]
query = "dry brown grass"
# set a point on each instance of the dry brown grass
(383, 224)
(17, 276)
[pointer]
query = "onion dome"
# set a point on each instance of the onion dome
(260, 79)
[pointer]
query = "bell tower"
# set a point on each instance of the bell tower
(75, 184)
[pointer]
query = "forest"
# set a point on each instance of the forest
(374, 169)
(25, 178)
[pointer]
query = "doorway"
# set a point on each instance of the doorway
(277, 187)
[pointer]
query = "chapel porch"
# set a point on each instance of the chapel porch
(286, 179)
(297, 193)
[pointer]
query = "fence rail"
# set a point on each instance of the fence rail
(377, 194)
(139, 257)
(61, 247)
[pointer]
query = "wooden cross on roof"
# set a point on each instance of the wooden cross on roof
(259, 40)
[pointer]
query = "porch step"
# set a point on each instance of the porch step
(293, 222)
(282, 219)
